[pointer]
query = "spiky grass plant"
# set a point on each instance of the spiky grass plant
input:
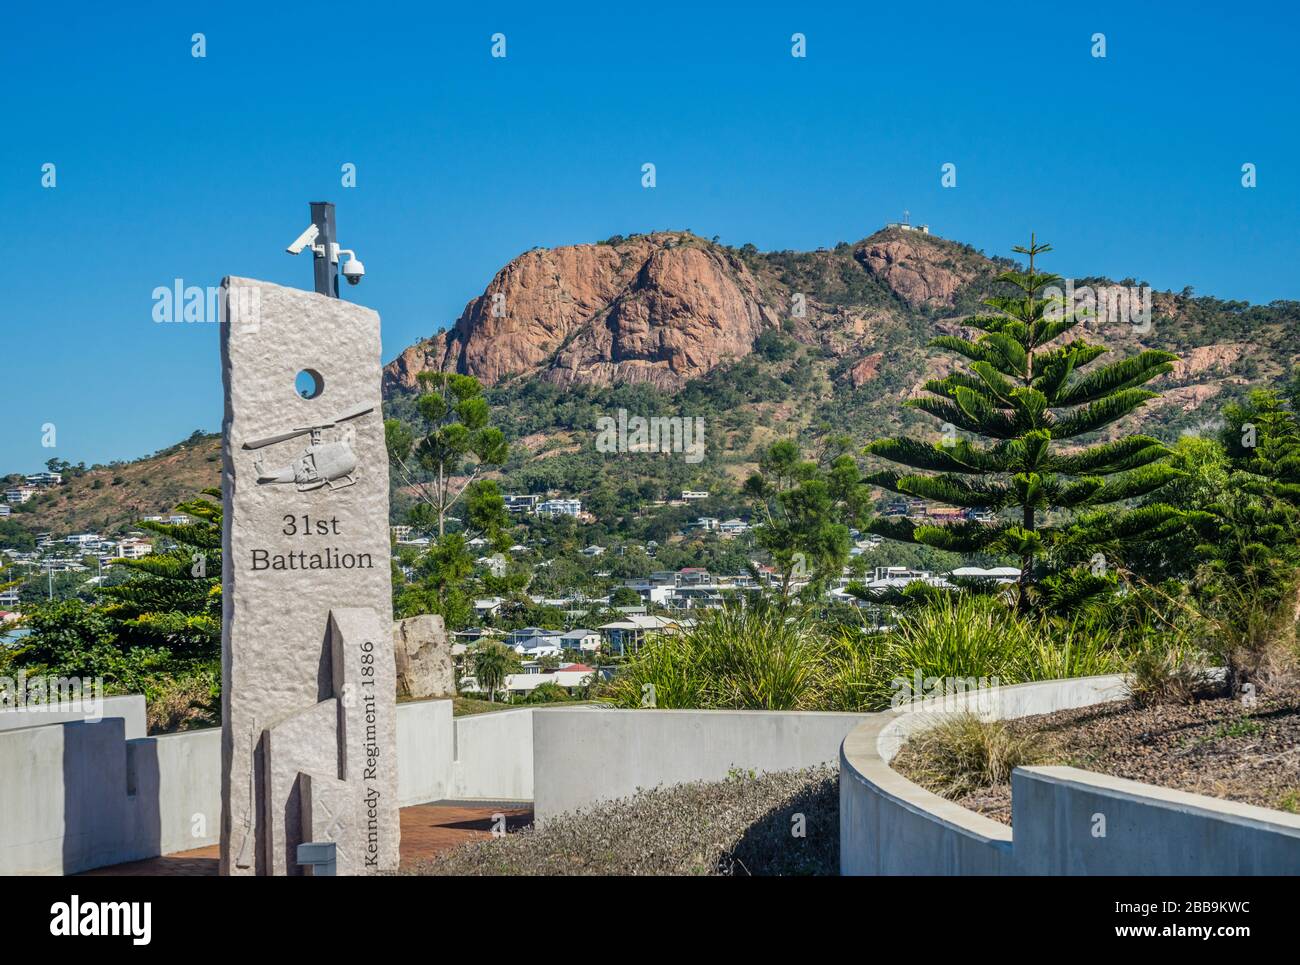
(962, 753)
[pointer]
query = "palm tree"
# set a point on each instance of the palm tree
(492, 661)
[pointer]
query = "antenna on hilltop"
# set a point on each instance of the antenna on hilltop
(906, 214)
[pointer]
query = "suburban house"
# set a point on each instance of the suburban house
(525, 503)
(1002, 575)
(43, 479)
(630, 633)
(897, 577)
(657, 594)
(689, 494)
(731, 528)
(571, 677)
(20, 494)
(474, 634)
(579, 639)
(693, 576)
(537, 647)
(945, 514)
(560, 507)
(132, 548)
(516, 637)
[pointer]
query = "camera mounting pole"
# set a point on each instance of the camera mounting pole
(325, 260)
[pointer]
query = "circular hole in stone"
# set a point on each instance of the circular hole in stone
(309, 383)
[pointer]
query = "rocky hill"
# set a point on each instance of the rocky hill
(845, 329)
(759, 344)
(109, 499)
(670, 307)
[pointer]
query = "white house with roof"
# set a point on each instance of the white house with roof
(525, 503)
(571, 677)
(560, 507)
(888, 578)
(652, 593)
(587, 641)
(132, 548)
(20, 494)
(514, 637)
(534, 648)
(731, 528)
(1002, 575)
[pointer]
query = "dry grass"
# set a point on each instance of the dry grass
(963, 754)
(1174, 675)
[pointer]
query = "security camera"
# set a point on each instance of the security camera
(304, 239)
(352, 268)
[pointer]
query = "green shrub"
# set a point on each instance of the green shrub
(762, 659)
(735, 657)
(964, 637)
(547, 693)
(664, 673)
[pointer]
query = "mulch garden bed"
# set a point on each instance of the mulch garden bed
(1219, 747)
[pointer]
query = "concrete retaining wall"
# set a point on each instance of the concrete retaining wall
(1057, 813)
(129, 707)
(493, 756)
(888, 825)
(582, 755)
(175, 798)
(424, 738)
(79, 794)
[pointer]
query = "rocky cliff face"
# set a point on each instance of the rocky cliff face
(663, 308)
(671, 307)
(914, 268)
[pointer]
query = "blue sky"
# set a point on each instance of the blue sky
(170, 166)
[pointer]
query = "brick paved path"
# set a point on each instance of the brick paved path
(427, 829)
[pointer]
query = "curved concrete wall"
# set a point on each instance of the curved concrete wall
(582, 756)
(1065, 820)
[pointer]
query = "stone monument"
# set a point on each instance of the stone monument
(422, 652)
(308, 739)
